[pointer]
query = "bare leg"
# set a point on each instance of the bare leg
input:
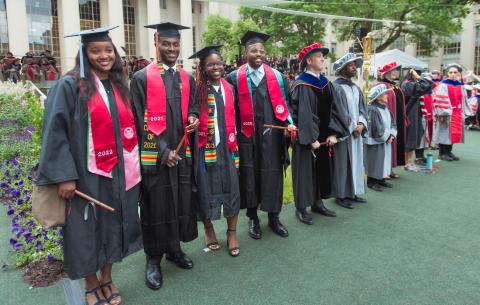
(91, 282)
(232, 240)
(106, 281)
(210, 236)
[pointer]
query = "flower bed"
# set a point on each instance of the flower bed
(34, 247)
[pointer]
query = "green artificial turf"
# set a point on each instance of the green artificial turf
(417, 243)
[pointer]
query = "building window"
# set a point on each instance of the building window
(194, 39)
(42, 22)
(452, 47)
(3, 29)
(399, 43)
(477, 51)
(422, 49)
(89, 14)
(129, 26)
(163, 4)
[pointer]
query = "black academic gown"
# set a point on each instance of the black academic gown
(168, 205)
(219, 187)
(263, 156)
(318, 112)
(104, 237)
(413, 90)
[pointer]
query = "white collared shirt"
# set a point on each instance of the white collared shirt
(314, 74)
(260, 71)
(168, 68)
(217, 130)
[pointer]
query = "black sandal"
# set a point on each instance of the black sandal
(100, 301)
(214, 245)
(231, 250)
(113, 295)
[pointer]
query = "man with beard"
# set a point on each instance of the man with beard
(261, 98)
(318, 110)
(389, 74)
(166, 114)
(348, 179)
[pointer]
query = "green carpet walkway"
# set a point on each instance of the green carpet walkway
(418, 243)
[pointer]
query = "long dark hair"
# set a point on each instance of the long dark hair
(116, 76)
(202, 89)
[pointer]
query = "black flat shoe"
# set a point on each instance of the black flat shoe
(254, 228)
(344, 203)
(180, 259)
(375, 187)
(385, 184)
(321, 209)
(304, 217)
(445, 158)
(358, 199)
(454, 158)
(277, 227)
(153, 274)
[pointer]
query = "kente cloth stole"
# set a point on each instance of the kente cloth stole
(155, 118)
(206, 129)
(276, 93)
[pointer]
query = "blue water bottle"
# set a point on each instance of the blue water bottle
(429, 162)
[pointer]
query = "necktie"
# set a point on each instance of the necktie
(255, 77)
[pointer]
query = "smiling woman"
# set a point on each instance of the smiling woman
(89, 144)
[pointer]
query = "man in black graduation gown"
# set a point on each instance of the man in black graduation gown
(321, 117)
(168, 212)
(263, 154)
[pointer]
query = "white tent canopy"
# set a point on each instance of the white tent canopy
(402, 58)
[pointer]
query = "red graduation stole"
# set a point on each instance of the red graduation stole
(455, 94)
(157, 98)
(103, 133)
(229, 120)
(245, 98)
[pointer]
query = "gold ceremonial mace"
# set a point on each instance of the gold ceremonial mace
(367, 44)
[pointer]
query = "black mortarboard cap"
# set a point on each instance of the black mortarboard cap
(252, 37)
(167, 29)
(203, 53)
(96, 34)
(91, 35)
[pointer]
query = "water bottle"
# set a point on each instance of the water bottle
(429, 161)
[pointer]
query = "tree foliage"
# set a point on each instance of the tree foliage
(221, 31)
(430, 23)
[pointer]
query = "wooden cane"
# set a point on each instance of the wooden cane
(277, 127)
(180, 144)
(99, 203)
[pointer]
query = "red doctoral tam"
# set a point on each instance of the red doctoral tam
(308, 50)
(388, 67)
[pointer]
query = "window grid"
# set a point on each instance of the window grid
(129, 26)
(4, 46)
(89, 14)
(452, 48)
(43, 27)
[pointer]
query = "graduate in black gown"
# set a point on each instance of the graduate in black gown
(319, 111)
(165, 113)
(261, 98)
(89, 144)
(414, 88)
(219, 187)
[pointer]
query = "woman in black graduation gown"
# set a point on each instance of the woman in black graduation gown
(90, 144)
(218, 176)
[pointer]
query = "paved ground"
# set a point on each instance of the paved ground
(415, 244)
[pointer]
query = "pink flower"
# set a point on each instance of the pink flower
(24, 103)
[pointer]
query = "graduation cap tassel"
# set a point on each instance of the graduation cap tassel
(156, 47)
(82, 68)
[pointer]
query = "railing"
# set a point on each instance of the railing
(37, 91)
